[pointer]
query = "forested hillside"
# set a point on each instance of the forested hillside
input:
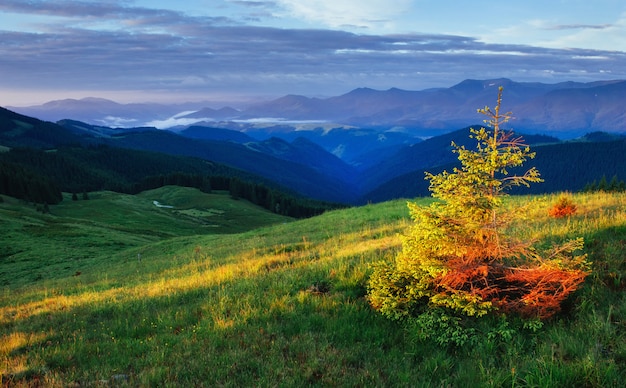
(565, 166)
(80, 157)
(40, 176)
(23, 183)
(17, 130)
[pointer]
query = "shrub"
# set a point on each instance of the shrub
(563, 207)
(456, 256)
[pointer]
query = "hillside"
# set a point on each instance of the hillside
(299, 165)
(365, 165)
(17, 130)
(564, 166)
(280, 304)
(328, 185)
(79, 157)
(430, 153)
(393, 168)
(84, 233)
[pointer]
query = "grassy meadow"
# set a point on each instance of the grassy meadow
(115, 291)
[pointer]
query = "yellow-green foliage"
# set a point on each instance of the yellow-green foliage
(457, 255)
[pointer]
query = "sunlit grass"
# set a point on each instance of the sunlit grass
(284, 305)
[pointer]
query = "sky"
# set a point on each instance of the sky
(237, 51)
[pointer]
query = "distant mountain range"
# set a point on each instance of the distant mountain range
(567, 109)
(344, 160)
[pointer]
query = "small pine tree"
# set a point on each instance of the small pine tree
(613, 184)
(603, 185)
(457, 256)
(590, 187)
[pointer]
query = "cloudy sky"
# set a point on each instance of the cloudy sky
(229, 50)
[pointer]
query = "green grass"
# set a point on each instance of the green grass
(82, 236)
(274, 302)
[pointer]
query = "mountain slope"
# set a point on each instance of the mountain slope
(436, 151)
(298, 177)
(577, 110)
(317, 174)
(216, 134)
(454, 107)
(564, 166)
(17, 130)
(301, 165)
(225, 113)
(301, 160)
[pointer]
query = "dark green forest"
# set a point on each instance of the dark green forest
(569, 166)
(40, 176)
(19, 182)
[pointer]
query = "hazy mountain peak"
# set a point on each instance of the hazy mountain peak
(362, 91)
(579, 108)
(473, 85)
(97, 100)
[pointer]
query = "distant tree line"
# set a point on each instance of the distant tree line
(259, 194)
(40, 176)
(614, 185)
(275, 200)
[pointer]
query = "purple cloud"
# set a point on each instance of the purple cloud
(167, 51)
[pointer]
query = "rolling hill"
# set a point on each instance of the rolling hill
(116, 291)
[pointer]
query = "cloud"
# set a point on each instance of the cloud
(579, 27)
(118, 122)
(171, 53)
(113, 14)
(357, 13)
(254, 4)
(174, 121)
(69, 8)
(548, 34)
(236, 57)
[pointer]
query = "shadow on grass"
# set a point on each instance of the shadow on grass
(607, 251)
(266, 330)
